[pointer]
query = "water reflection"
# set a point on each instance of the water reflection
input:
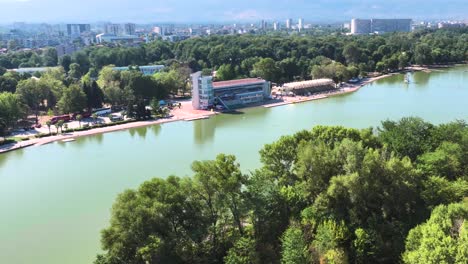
(16, 154)
(421, 78)
(141, 131)
(96, 138)
(132, 132)
(204, 130)
(156, 129)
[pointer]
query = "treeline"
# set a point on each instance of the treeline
(275, 58)
(57, 92)
(328, 195)
(293, 56)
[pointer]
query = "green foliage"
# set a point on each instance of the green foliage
(330, 236)
(243, 252)
(441, 239)
(328, 195)
(410, 136)
(294, 247)
(266, 68)
(226, 72)
(73, 100)
(11, 110)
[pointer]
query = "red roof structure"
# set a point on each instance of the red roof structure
(239, 82)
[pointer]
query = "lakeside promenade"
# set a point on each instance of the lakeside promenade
(186, 113)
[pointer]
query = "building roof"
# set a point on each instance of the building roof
(240, 82)
(32, 69)
(308, 84)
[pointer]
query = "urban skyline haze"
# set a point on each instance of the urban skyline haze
(147, 11)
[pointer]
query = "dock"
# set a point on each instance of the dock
(196, 118)
(296, 101)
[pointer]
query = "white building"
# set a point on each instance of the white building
(288, 23)
(202, 91)
(146, 70)
(276, 26)
(360, 26)
(300, 24)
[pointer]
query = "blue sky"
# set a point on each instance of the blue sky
(148, 11)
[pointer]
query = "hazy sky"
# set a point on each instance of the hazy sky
(142, 11)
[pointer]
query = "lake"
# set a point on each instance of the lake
(55, 199)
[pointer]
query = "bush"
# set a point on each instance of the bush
(42, 135)
(7, 141)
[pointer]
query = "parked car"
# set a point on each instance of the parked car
(115, 118)
(55, 119)
(103, 111)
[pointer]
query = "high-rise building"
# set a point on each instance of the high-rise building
(288, 23)
(390, 25)
(113, 29)
(300, 24)
(75, 30)
(360, 26)
(367, 26)
(276, 26)
(129, 29)
(263, 25)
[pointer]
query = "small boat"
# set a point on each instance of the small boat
(68, 140)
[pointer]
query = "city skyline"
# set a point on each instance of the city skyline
(146, 11)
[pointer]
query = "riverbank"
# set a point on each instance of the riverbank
(187, 113)
(346, 88)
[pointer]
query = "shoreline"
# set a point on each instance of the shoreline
(193, 115)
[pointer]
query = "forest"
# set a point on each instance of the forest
(393, 194)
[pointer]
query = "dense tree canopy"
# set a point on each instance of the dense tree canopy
(329, 195)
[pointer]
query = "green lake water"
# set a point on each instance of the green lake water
(55, 199)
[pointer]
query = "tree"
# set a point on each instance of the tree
(224, 178)
(335, 71)
(79, 118)
(50, 57)
(243, 251)
(94, 95)
(75, 71)
(266, 68)
(58, 125)
(423, 54)
(441, 239)
(410, 136)
(94, 116)
(82, 59)
(225, 72)
(159, 222)
(294, 247)
(8, 84)
(65, 62)
(49, 124)
(73, 100)
(32, 94)
(352, 53)
(168, 82)
(11, 110)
